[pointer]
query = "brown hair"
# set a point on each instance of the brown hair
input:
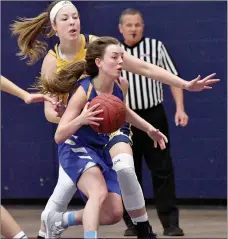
(28, 30)
(65, 80)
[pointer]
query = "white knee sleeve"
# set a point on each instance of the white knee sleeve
(63, 193)
(130, 188)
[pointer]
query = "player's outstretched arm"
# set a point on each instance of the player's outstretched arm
(11, 88)
(140, 67)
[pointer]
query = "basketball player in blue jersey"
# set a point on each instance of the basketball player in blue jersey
(64, 20)
(82, 152)
(9, 227)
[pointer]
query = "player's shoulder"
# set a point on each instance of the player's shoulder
(49, 59)
(49, 65)
(84, 79)
(78, 94)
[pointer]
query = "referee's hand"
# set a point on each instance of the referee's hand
(181, 118)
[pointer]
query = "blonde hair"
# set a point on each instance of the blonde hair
(28, 29)
(65, 81)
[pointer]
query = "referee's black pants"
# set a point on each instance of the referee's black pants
(160, 165)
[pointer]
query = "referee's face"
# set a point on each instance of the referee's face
(132, 29)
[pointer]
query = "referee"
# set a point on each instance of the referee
(145, 97)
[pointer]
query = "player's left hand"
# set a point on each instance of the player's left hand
(158, 137)
(205, 84)
(36, 98)
(181, 118)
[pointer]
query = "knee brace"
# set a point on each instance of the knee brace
(63, 193)
(130, 188)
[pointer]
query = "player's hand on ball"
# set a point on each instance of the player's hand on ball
(88, 115)
(158, 137)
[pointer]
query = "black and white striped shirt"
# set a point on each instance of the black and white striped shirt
(143, 92)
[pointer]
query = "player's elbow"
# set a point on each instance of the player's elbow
(58, 137)
(50, 114)
(51, 118)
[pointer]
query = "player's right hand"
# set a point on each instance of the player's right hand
(88, 115)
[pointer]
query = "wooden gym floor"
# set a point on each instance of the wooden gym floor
(197, 222)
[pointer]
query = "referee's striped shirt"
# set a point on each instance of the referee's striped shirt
(143, 92)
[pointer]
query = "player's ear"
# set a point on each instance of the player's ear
(98, 62)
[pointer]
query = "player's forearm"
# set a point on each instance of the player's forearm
(64, 131)
(135, 120)
(140, 67)
(11, 88)
(178, 97)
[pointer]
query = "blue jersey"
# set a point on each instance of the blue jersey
(86, 148)
(86, 134)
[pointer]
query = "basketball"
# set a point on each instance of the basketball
(114, 113)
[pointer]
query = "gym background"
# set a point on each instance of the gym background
(195, 34)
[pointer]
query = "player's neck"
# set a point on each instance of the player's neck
(70, 48)
(103, 84)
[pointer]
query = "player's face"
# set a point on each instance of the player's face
(132, 29)
(67, 23)
(112, 62)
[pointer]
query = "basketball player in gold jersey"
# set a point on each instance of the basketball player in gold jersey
(63, 19)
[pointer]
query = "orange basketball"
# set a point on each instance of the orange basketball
(114, 113)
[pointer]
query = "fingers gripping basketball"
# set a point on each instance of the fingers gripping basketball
(114, 113)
